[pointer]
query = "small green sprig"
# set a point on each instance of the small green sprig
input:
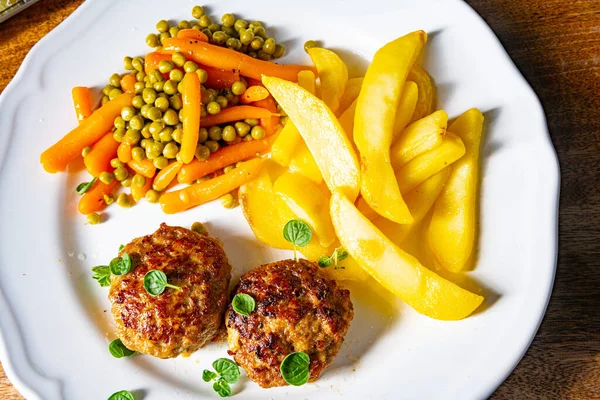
(118, 349)
(101, 273)
(82, 188)
(298, 233)
(243, 304)
(227, 373)
(122, 395)
(295, 368)
(155, 282)
(339, 254)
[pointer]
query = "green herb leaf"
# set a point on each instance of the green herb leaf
(297, 233)
(122, 395)
(155, 282)
(208, 376)
(121, 247)
(294, 368)
(324, 262)
(341, 254)
(243, 304)
(118, 349)
(227, 369)
(101, 273)
(222, 388)
(82, 188)
(120, 266)
(338, 255)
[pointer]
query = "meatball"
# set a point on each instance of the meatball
(174, 322)
(298, 309)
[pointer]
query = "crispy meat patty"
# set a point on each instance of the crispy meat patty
(174, 322)
(297, 309)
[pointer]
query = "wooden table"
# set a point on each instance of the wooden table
(556, 45)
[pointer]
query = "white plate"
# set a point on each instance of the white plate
(55, 327)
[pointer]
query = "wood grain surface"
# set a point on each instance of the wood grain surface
(556, 45)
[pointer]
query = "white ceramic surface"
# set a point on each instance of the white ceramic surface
(54, 322)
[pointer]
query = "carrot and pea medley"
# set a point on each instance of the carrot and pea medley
(191, 111)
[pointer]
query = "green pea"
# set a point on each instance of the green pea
(202, 153)
(214, 133)
(165, 66)
(204, 21)
(170, 87)
(170, 117)
(161, 162)
(106, 177)
(149, 95)
(121, 173)
(260, 31)
(203, 112)
(93, 219)
(227, 94)
(124, 200)
(115, 80)
(145, 142)
(164, 35)
(227, 201)
(229, 134)
(114, 93)
(138, 180)
(199, 228)
(127, 113)
(242, 128)
(144, 110)
(263, 56)
(177, 135)
(126, 183)
(238, 88)
(119, 122)
(116, 163)
(138, 154)
(127, 63)
(106, 90)
(234, 100)
(233, 43)
(154, 113)
(213, 28)
(246, 36)
(212, 145)
(119, 134)
(104, 100)
(309, 44)
(222, 100)
(258, 132)
(240, 24)
(136, 122)
(138, 63)
(159, 86)
(269, 46)
(197, 12)
(256, 23)
(183, 24)
(219, 38)
(176, 102)
(152, 40)
(202, 75)
(178, 59)
(229, 31)
(154, 150)
(162, 104)
(176, 75)
(257, 43)
(251, 121)
(132, 136)
(170, 151)
(86, 150)
(190, 66)
(141, 76)
(155, 76)
(279, 50)
(213, 108)
(162, 26)
(165, 134)
(152, 196)
(207, 32)
(173, 31)
(202, 135)
(228, 19)
(139, 87)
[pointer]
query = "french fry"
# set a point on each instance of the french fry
(333, 74)
(406, 108)
(351, 92)
(427, 92)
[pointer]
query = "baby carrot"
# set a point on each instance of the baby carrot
(152, 59)
(254, 93)
(127, 83)
(203, 192)
(270, 124)
(93, 200)
(227, 59)
(190, 87)
(145, 167)
(98, 159)
(220, 78)
(166, 176)
(58, 156)
(192, 34)
(223, 157)
(124, 152)
(138, 192)
(82, 102)
(235, 113)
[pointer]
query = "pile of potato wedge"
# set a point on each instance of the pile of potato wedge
(368, 162)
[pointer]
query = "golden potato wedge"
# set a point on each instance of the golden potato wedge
(451, 233)
(406, 108)
(350, 94)
(396, 270)
(333, 75)
(419, 137)
(304, 163)
(376, 109)
(427, 92)
(414, 172)
(322, 132)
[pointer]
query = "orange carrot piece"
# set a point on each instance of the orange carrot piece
(200, 193)
(270, 124)
(82, 102)
(127, 83)
(166, 176)
(93, 200)
(190, 88)
(139, 192)
(152, 59)
(220, 78)
(192, 34)
(223, 157)
(124, 152)
(98, 159)
(227, 59)
(57, 157)
(145, 167)
(235, 113)
(254, 93)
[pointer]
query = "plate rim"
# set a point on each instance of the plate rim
(30, 391)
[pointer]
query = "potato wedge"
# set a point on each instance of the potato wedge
(419, 137)
(310, 203)
(304, 163)
(417, 170)
(333, 74)
(427, 92)
(396, 270)
(374, 123)
(451, 233)
(322, 132)
(406, 108)
(351, 92)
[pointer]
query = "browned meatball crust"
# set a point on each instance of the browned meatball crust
(297, 309)
(174, 322)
